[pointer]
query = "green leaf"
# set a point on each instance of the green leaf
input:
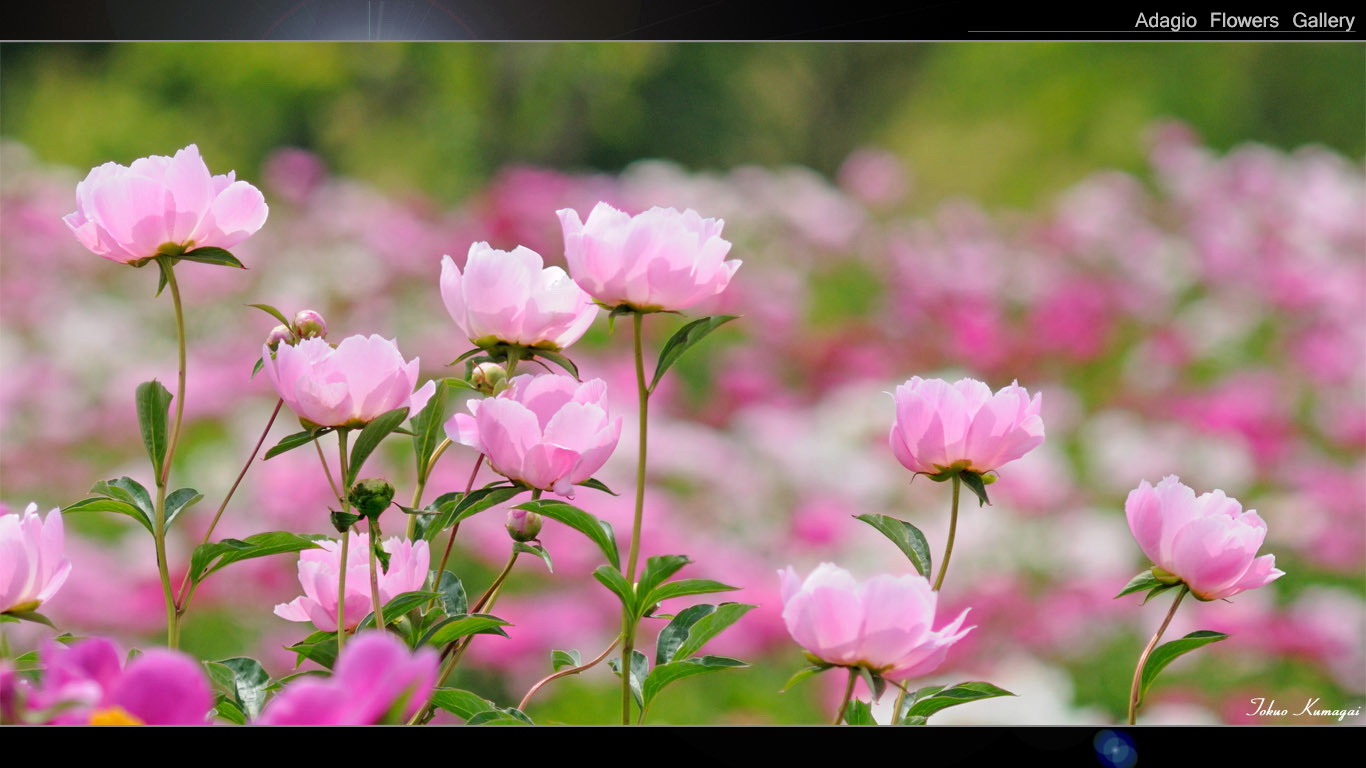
(876, 683)
(508, 716)
(33, 616)
(915, 696)
(180, 500)
(859, 713)
(951, 696)
(537, 550)
(580, 521)
(342, 521)
(255, 369)
(640, 668)
(129, 490)
(455, 507)
(558, 359)
(906, 537)
(598, 485)
(1159, 589)
(319, 647)
(974, 483)
(712, 625)
(429, 428)
(290, 442)
(671, 637)
(213, 256)
(674, 671)
(248, 684)
(565, 659)
(369, 440)
(153, 402)
(225, 709)
(98, 504)
(467, 355)
(683, 588)
(1168, 652)
(161, 277)
(397, 607)
(211, 557)
(457, 383)
(683, 339)
(461, 703)
(657, 570)
(457, 627)
(273, 312)
(803, 674)
(1144, 580)
(615, 581)
(453, 600)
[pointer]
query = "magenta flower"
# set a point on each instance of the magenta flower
(32, 566)
(963, 426)
(549, 432)
(87, 682)
(506, 296)
(882, 625)
(1209, 542)
(163, 205)
(377, 680)
(658, 260)
(318, 574)
(349, 386)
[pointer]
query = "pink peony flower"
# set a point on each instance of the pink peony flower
(505, 296)
(658, 260)
(1209, 542)
(883, 624)
(548, 432)
(349, 386)
(408, 565)
(32, 567)
(163, 204)
(962, 426)
(377, 680)
(88, 683)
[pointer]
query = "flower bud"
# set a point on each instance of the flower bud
(279, 334)
(309, 324)
(487, 377)
(372, 496)
(523, 525)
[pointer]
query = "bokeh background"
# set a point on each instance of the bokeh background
(1168, 241)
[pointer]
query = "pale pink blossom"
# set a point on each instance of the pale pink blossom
(349, 386)
(658, 260)
(32, 564)
(163, 204)
(89, 683)
(549, 432)
(883, 624)
(376, 680)
(506, 296)
(318, 574)
(1209, 542)
(941, 426)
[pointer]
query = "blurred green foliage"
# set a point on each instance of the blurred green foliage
(1002, 122)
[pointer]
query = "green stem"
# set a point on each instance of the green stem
(423, 474)
(374, 575)
(565, 673)
(450, 541)
(953, 528)
(183, 603)
(628, 629)
(455, 650)
(172, 615)
(345, 547)
(848, 694)
(1143, 659)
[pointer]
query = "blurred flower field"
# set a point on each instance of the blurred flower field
(1205, 317)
